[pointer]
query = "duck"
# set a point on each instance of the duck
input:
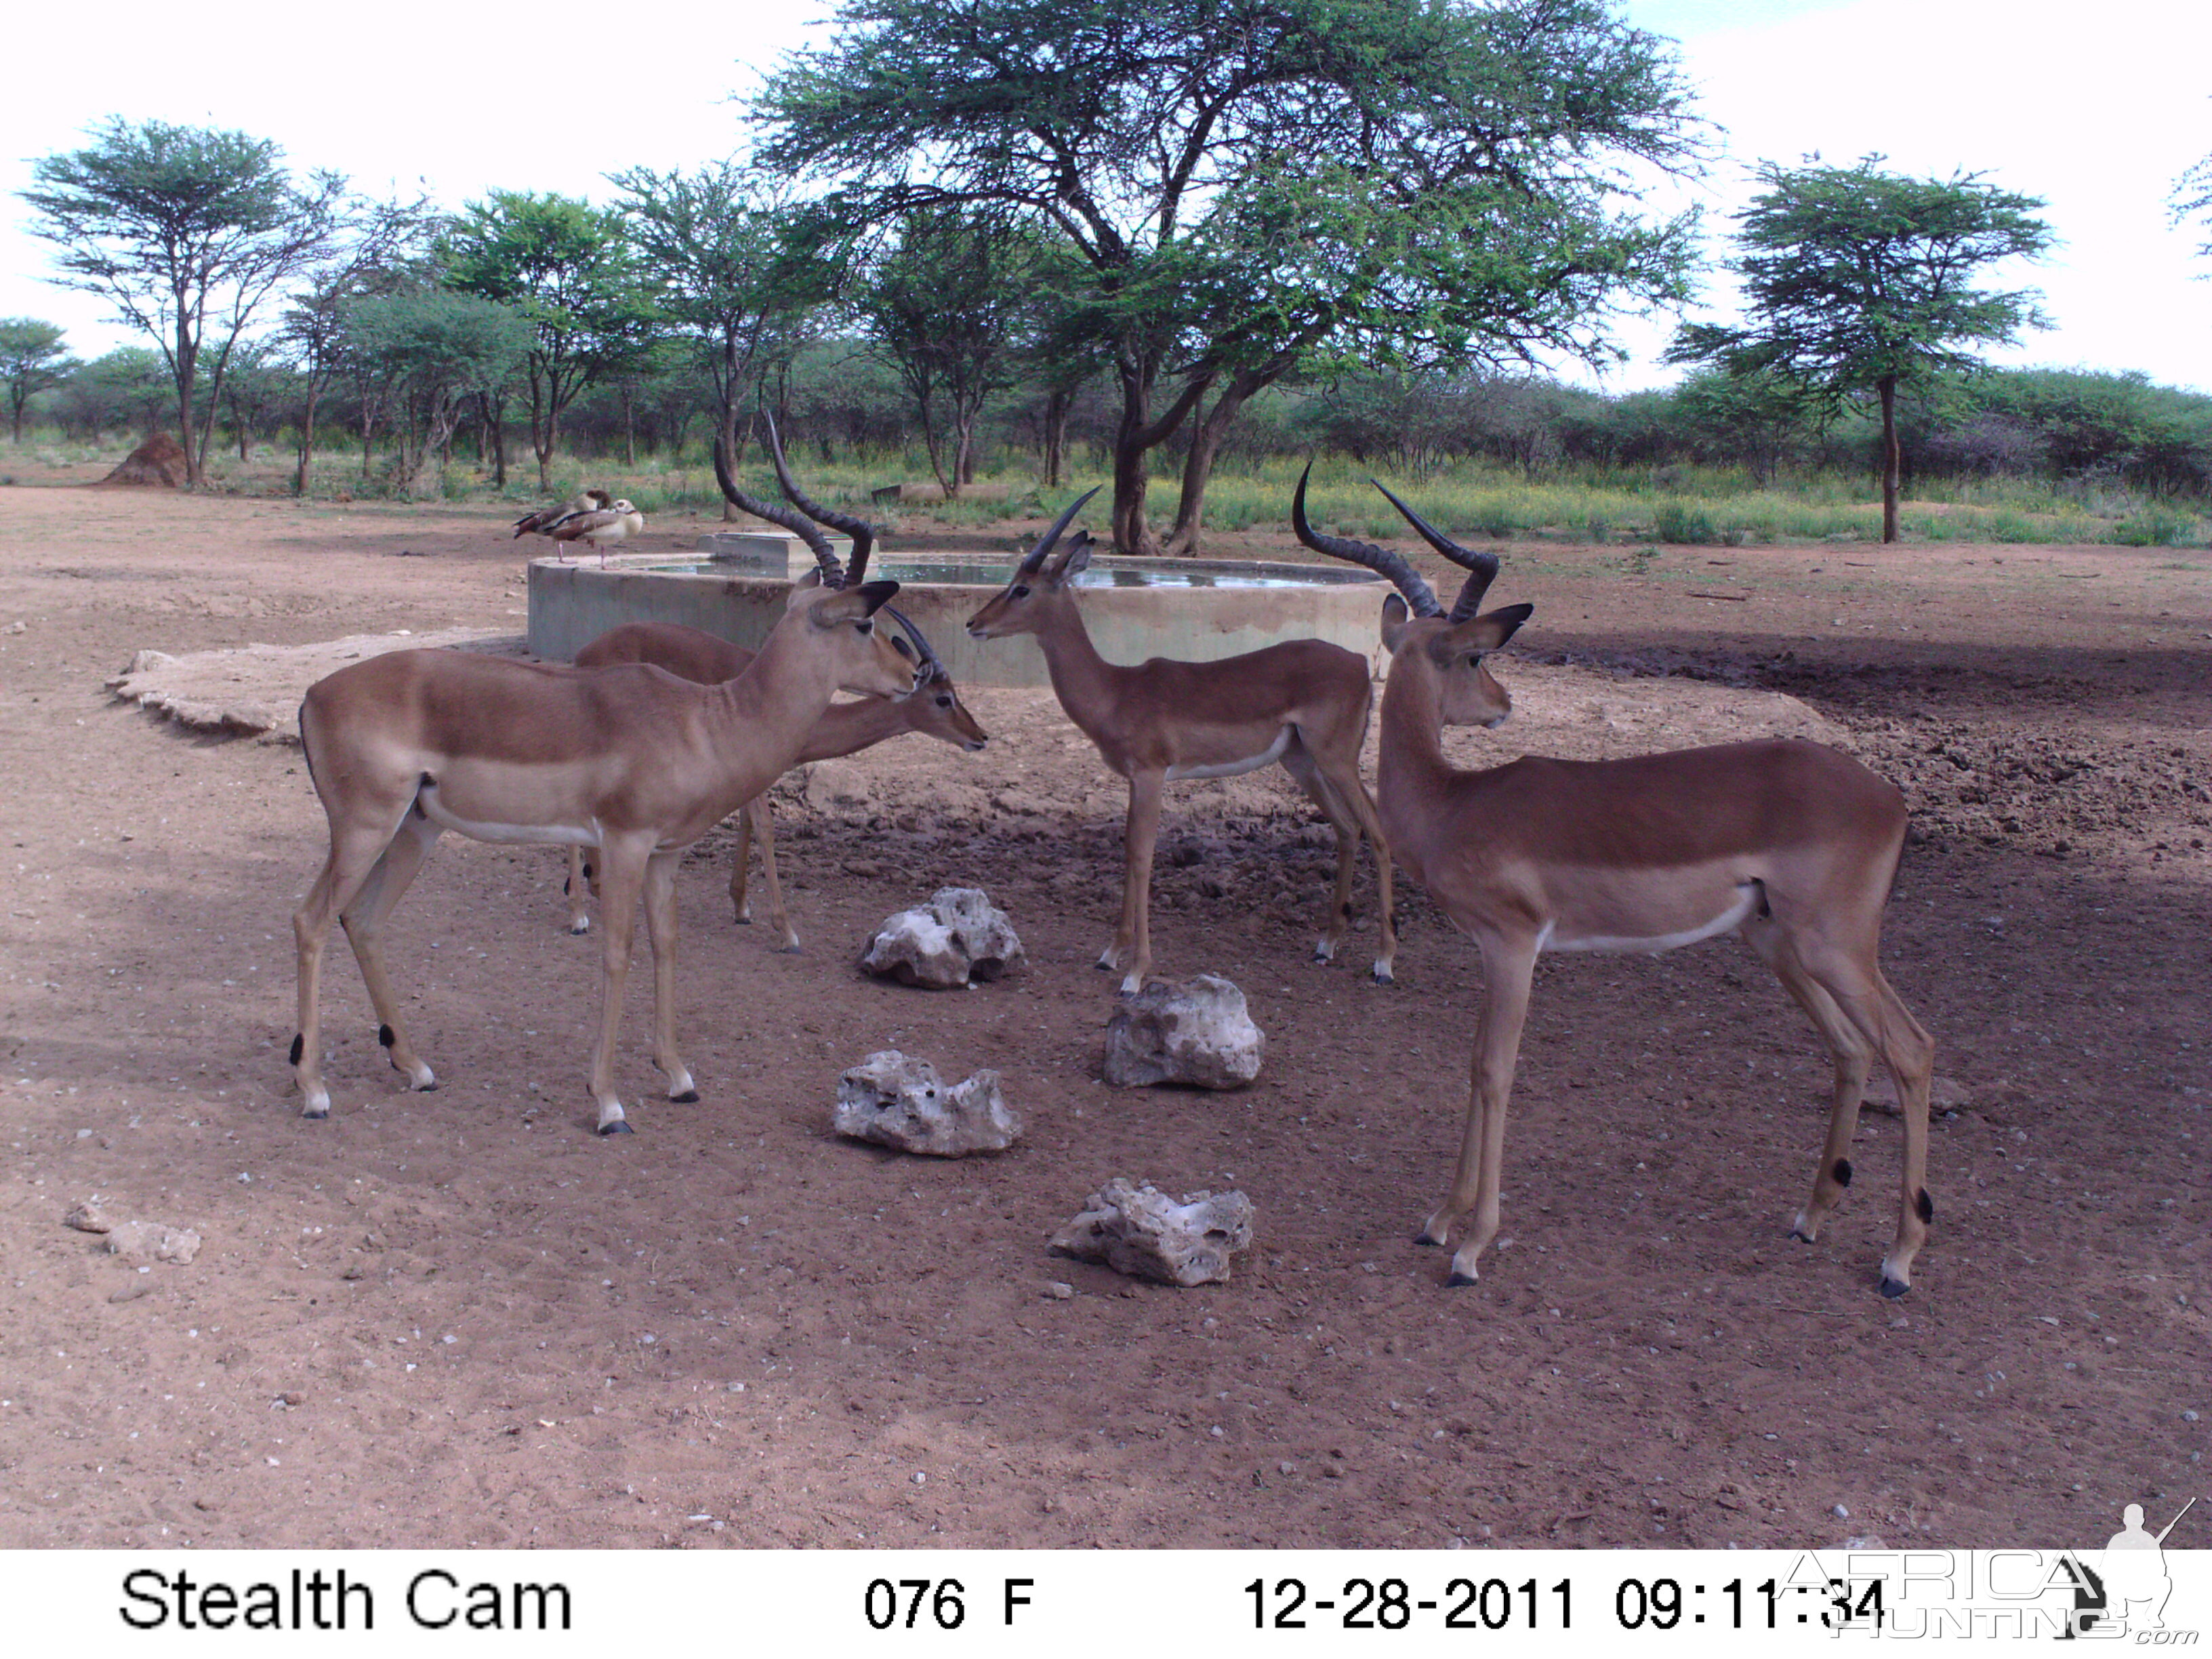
(539, 523)
(618, 521)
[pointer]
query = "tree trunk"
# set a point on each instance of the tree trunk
(1134, 439)
(1197, 466)
(495, 418)
(1887, 387)
(1056, 435)
(17, 412)
(301, 478)
(726, 438)
(187, 366)
(630, 430)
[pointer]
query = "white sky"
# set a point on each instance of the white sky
(2095, 108)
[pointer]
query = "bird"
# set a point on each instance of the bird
(537, 523)
(618, 522)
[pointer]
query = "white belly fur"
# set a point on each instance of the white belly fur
(1727, 921)
(1232, 769)
(533, 835)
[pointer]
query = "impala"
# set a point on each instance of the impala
(1303, 704)
(630, 760)
(934, 710)
(1790, 844)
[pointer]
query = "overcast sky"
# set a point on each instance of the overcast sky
(2096, 108)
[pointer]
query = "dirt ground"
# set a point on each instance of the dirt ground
(460, 1318)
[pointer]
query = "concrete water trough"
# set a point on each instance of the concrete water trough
(1195, 609)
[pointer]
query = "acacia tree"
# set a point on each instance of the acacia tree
(377, 249)
(1856, 281)
(428, 353)
(947, 304)
(738, 270)
(567, 267)
(2193, 199)
(186, 232)
(1249, 183)
(31, 359)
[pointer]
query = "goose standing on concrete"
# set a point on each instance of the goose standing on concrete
(539, 523)
(618, 522)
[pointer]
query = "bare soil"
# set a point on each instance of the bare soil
(460, 1318)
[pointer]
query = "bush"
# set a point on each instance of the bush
(2156, 527)
(1680, 525)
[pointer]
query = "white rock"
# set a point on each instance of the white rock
(88, 1218)
(1198, 1032)
(897, 1101)
(151, 1239)
(958, 937)
(1142, 1232)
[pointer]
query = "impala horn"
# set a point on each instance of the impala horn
(1420, 598)
(1036, 556)
(862, 532)
(1482, 567)
(833, 573)
(925, 654)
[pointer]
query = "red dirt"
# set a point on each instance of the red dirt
(459, 1318)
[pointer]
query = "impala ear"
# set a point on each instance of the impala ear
(1492, 628)
(853, 604)
(1394, 614)
(1074, 562)
(802, 588)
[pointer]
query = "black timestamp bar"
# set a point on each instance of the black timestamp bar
(1392, 1604)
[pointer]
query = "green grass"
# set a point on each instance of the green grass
(1473, 501)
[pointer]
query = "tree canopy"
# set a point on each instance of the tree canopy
(186, 231)
(568, 268)
(1246, 184)
(1860, 281)
(32, 359)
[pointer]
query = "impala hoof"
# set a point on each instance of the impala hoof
(619, 1127)
(1425, 1237)
(1457, 1280)
(315, 1114)
(743, 919)
(688, 1097)
(429, 1088)
(1894, 1288)
(1383, 975)
(1801, 1235)
(582, 926)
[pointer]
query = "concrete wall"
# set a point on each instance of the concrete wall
(571, 604)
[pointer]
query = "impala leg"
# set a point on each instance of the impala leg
(660, 931)
(1884, 1024)
(1132, 949)
(1299, 763)
(1508, 971)
(1909, 1053)
(1852, 1056)
(621, 877)
(364, 920)
(355, 850)
(1370, 821)
(741, 869)
(762, 824)
(576, 888)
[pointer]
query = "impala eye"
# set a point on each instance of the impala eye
(1021, 593)
(944, 702)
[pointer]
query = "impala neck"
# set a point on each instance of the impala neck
(765, 714)
(846, 728)
(1410, 766)
(1082, 680)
